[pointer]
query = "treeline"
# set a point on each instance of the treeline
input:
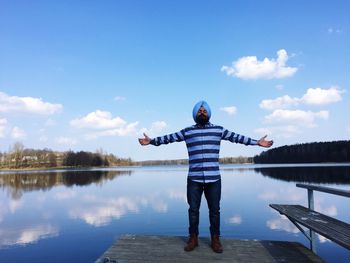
(316, 152)
(236, 160)
(224, 160)
(19, 157)
(86, 159)
(162, 162)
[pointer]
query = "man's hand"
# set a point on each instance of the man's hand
(265, 143)
(145, 141)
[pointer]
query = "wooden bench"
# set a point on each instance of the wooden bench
(331, 228)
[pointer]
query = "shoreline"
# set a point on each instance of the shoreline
(167, 164)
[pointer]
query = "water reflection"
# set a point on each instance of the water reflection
(235, 220)
(18, 183)
(282, 223)
(100, 211)
(83, 212)
(322, 174)
(10, 237)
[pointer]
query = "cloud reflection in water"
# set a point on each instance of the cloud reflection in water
(10, 237)
(101, 211)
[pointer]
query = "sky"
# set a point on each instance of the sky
(89, 75)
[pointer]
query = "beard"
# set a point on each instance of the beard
(202, 119)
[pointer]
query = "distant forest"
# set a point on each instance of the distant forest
(224, 160)
(316, 152)
(19, 157)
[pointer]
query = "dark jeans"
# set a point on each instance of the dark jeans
(212, 192)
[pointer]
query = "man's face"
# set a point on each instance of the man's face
(202, 116)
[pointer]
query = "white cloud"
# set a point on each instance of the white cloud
(119, 98)
(251, 68)
(231, 110)
(65, 141)
(156, 128)
(313, 96)
(159, 205)
(296, 120)
(236, 220)
(3, 121)
(318, 96)
(323, 239)
(104, 121)
(287, 131)
(17, 133)
(14, 205)
(37, 233)
(123, 131)
(27, 105)
(28, 235)
(101, 214)
(98, 120)
(332, 30)
(177, 194)
(299, 117)
(279, 103)
(282, 223)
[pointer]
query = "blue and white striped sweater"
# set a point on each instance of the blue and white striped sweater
(203, 146)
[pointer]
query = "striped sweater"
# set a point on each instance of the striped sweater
(203, 146)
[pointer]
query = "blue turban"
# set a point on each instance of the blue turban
(196, 108)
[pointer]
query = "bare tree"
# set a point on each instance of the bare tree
(17, 154)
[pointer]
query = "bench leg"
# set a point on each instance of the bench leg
(310, 198)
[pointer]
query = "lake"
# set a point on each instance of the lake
(75, 215)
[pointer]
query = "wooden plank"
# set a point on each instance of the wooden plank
(325, 189)
(313, 219)
(331, 228)
(136, 249)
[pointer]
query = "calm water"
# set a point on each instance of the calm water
(74, 216)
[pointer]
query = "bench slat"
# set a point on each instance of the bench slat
(328, 227)
(314, 219)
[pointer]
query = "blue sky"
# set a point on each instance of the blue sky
(85, 75)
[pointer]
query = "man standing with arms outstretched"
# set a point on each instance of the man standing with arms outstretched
(203, 145)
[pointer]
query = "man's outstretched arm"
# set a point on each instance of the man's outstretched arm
(170, 138)
(237, 138)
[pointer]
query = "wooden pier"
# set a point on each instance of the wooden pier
(136, 249)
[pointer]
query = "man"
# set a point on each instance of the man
(203, 145)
